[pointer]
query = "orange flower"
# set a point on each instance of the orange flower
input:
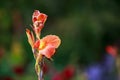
(41, 47)
(30, 36)
(38, 22)
(47, 45)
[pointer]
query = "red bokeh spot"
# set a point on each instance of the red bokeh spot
(111, 50)
(18, 70)
(68, 72)
(57, 77)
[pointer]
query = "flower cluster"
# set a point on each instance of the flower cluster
(44, 47)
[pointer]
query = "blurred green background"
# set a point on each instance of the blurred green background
(81, 25)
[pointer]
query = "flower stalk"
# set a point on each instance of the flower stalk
(40, 74)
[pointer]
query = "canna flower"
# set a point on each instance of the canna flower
(47, 45)
(38, 20)
(44, 47)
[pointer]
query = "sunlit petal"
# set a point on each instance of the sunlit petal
(48, 51)
(52, 40)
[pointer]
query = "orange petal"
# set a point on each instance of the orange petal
(30, 37)
(52, 40)
(37, 44)
(48, 51)
(42, 18)
(35, 15)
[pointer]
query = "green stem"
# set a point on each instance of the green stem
(41, 74)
